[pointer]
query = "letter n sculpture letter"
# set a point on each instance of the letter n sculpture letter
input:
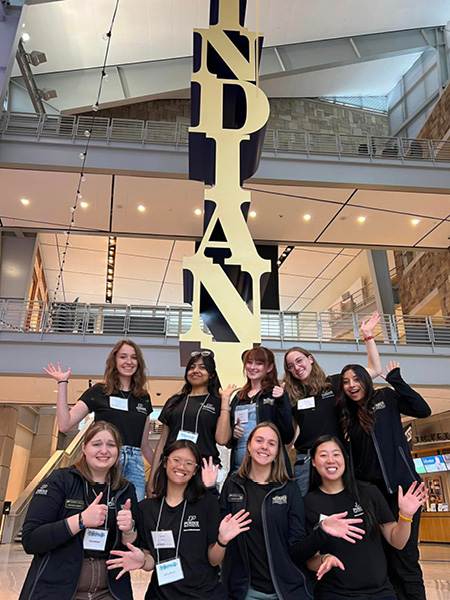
(229, 115)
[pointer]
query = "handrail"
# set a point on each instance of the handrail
(135, 131)
(86, 320)
(15, 519)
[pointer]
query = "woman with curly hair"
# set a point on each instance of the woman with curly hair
(121, 399)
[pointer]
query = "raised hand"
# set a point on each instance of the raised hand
(57, 373)
(231, 526)
(369, 324)
(227, 392)
(125, 518)
(390, 367)
(210, 472)
(328, 563)
(278, 390)
(238, 431)
(415, 497)
(127, 561)
(338, 526)
(95, 514)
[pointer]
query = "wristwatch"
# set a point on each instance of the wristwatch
(81, 525)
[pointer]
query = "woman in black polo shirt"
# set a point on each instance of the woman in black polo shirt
(121, 399)
(312, 395)
(199, 413)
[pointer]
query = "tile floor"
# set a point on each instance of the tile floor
(435, 560)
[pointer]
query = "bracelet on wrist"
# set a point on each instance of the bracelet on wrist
(369, 337)
(220, 544)
(81, 525)
(403, 518)
(324, 557)
(132, 530)
(226, 409)
(63, 381)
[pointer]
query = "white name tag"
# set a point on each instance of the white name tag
(95, 539)
(163, 539)
(305, 403)
(183, 434)
(242, 415)
(118, 403)
(169, 571)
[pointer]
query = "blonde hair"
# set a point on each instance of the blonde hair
(295, 388)
(115, 474)
(278, 472)
(111, 380)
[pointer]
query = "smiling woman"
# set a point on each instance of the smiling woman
(121, 399)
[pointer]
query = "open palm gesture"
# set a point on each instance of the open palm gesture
(232, 525)
(410, 502)
(57, 373)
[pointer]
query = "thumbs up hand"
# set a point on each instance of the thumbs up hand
(125, 518)
(95, 514)
(278, 390)
(238, 431)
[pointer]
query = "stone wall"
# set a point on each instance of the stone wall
(285, 113)
(432, 269)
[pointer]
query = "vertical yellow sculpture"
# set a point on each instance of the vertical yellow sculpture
(229, 116)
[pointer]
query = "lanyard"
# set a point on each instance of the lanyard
(107, 501)
(198, 413)
(179, 532)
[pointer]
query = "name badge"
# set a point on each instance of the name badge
(118, 403)
(95, 539)
(74, 504)
(163, 539)
(305, 403)
(242, 415)
(169, 571)
(183, 434)
(235, 497)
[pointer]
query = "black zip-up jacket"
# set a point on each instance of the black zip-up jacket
(58, 555)
(283, 517)
(388, 437)
(275, 410)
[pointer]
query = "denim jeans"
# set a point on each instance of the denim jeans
(301, 472)
(132, 465)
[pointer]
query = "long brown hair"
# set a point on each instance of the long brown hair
(351, 411)
(111, 380)
(278, 472)
(115, 474)
(267, 357)
(296, 389)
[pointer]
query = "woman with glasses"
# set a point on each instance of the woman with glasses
(182, 537)
(355, 571)
(312, 395)
(121, 399)
(76, 517)
(199, 413)
(260, 399)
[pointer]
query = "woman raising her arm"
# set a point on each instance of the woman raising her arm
(121, 399)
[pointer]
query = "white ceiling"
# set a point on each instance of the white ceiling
(70, 33)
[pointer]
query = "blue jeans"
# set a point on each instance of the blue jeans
(132, 466)
(254, 595)
(301, 472)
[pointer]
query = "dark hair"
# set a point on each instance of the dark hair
(357, 490)
(317, 381)
(111, 379)
(195, 488)
(115, 474)
(267, 357)
(351, 411)
(213, 383)
(278, 472)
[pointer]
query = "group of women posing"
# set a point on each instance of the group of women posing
(262, 531)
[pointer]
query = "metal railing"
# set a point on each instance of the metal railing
(119, 320)
(61, 458)
(144, 133)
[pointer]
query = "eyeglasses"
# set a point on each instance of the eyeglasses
(201, 353)
(190, 466)
(297, 363)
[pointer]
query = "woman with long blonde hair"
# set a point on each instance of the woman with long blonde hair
(121, 399)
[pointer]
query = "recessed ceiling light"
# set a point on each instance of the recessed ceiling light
(83, 204)
(307, 217)
(25, 201)
(361, 219)
(141, 208)
(415, 221)
(252, 214)
(198, 211)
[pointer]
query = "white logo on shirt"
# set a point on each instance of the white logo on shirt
(42, 490)
(192, 524)
(210, 408)
(270, 401)
(279, 499)
(141, 408)
(357, 510)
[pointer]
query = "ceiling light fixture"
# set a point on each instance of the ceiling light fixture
(141, 208)
(361, 219)
(415, 221)
(84, 204)
(25, 201)
(112, 246)
(284, 255)
(198, 212)
(252, 214)
(25, 37)
(307, 217)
